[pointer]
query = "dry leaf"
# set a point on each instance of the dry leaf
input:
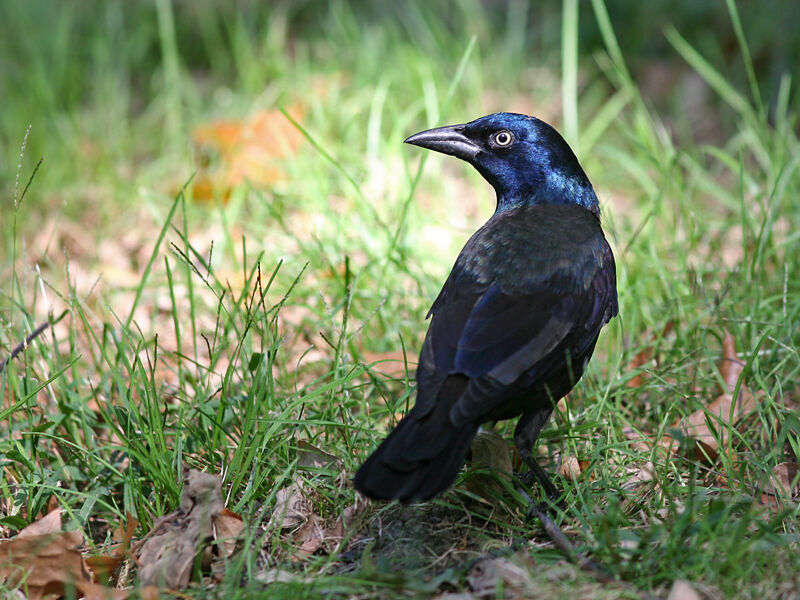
(485, 575)
(643, 475)
(645, 355)
(103, 567)
(353, 511)
(731, 366)
(94, 591)
(785, 479)
(228, 526)
(720, 414)
(723, 412)
(785, 483)
(50, 523)
(570, 468)
(682, 590)
(310, 536)
(45, 564)
(292, 508)
(316, 534)
(489, 451)
(645, 443)
(248, 150)
(167, 557)
(309, 455)
(47, 561)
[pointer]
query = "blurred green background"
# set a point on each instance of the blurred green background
(133, 76)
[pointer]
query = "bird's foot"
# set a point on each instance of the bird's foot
(554, 498)
(537, 509)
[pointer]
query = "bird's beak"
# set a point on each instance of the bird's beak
(447, 140)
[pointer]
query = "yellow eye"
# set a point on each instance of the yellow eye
(503, 138)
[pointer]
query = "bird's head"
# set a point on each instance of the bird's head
(525, 159)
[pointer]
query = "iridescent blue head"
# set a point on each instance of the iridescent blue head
(525, 160)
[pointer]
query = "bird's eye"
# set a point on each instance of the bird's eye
(503, 138)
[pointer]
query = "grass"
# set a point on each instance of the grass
(222, 335)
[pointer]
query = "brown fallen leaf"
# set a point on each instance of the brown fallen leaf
(309, 455)
(48, 561)
(167, 557)
(682, 590)
(785, 479)
(645, 355)
(731, 366)
(644, 474)
(292, 508)
(644, 442)
(317, 534)
(571, 468)
(45, 564)
(294, 511)
(725, 411)
(248, 150)
(50, 523)
(228, 526)
(336, 533)
(720, 415)
(487, 574)
(784, 484)
(310, 536)
(492, 452)
(104, 566)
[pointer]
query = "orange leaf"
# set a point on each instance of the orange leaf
(227, 527)
(725, 410)
(103, 566)
(645, 355)
(248, 150)
(731, 366)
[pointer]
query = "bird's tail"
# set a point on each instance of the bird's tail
(418, 460)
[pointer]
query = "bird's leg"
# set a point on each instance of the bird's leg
(525, 436)
(540, 475)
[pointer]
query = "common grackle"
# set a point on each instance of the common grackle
(518, 317)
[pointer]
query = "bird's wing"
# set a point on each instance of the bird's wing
(517, 318)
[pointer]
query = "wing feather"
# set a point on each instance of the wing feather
(504, 330)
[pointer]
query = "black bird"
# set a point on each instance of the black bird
(518, 317)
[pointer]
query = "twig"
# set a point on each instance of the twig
(582, 561)
(31, 336)
(24, 343)
(562, 543)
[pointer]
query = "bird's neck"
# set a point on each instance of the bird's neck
(553, 189)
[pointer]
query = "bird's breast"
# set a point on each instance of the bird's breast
(526, 246)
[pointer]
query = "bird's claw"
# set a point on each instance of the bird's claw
(554, 496)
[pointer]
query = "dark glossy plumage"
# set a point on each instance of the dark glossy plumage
(519, 315)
